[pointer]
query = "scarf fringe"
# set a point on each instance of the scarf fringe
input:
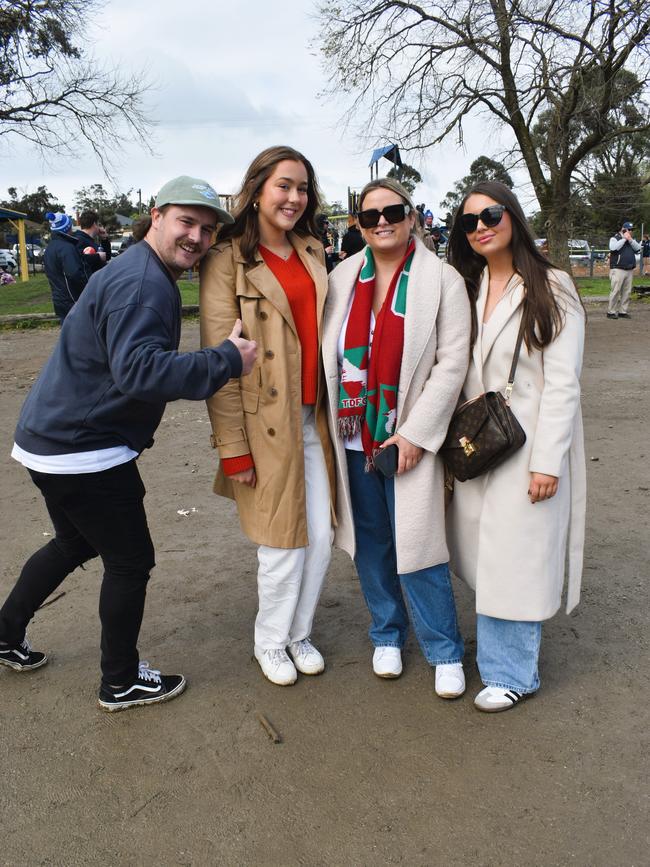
(349, 426)
(370, 464)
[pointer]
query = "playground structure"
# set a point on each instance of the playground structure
(17, 220)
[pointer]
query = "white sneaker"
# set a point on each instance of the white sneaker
(450, 680)
(387, 661)
(492, 699)
(305, 657)
(276, 666)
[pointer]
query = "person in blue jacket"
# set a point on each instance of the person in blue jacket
(92, 411)
(63, 264)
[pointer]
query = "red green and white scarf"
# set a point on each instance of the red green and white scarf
(368, 392)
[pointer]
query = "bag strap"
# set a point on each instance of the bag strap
(515, 358)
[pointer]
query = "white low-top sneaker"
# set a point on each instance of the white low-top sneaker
(305, 657)
(492, 699)
(387, 661)
(450, 680)
(276, 666)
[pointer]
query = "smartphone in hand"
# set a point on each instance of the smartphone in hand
(386, 460)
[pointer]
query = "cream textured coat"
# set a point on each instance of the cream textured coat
(434, 362)
(511, 551)
(261, 413)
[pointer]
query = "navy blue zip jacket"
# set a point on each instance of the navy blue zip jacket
(116, 363)
(91, 261)
(65, 271)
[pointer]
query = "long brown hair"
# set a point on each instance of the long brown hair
(543, 316)
(246, 226)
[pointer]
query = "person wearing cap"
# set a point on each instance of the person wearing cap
(622, 261)
(94, 408)
(63, 265)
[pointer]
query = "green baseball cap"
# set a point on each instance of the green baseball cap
(185, 190)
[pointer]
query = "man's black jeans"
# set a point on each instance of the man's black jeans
(93, 514)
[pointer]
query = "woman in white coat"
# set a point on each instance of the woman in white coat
(510, 529)
(396, 347)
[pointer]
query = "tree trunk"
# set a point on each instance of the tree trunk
(555, 210)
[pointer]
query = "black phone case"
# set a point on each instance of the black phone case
(386, 460)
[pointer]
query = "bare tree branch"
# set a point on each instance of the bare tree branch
(548, 69)
(53, 94)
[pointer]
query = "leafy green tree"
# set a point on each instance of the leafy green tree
(96, 198)
(53, 94)
(35, 204)
(482, 169)
(408, 177)
(333, 209)
(416, 71)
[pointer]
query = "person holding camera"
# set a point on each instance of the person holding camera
(622, 262)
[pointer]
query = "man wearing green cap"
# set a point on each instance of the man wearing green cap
(92, 411)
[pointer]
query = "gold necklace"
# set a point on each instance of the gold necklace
(282, 254)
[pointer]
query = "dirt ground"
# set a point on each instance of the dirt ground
(369, 772)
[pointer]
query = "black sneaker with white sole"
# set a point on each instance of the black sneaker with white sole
(21, 657)
(150, 687)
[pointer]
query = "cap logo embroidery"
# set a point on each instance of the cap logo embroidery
(206, 192)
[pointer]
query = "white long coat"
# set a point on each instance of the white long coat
(511, 551)
(434, 363)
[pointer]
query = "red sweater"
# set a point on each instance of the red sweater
(299, 288)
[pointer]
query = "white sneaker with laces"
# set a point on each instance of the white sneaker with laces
(493, 699)
(306, 658)
(387, 662)
(450, 680)
(276, 666)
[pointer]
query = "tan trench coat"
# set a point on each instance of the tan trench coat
(434, 363)
(261, 413)
(512, 552)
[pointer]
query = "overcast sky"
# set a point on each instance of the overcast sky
(230, 80)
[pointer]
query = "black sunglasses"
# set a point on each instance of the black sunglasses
(489, 217)
(391, 213)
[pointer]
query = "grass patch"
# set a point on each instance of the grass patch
(35, 296)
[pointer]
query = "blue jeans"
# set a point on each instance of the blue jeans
(507, 652)
(427, 591)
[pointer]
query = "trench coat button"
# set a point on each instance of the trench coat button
(264, 314)
(271, 431)
(269, 353)
(273, 392)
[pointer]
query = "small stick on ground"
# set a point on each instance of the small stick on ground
(268, 728)
(53, 599)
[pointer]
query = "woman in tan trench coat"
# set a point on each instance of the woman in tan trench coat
(270, 427)
(510, 530)
(395, 307)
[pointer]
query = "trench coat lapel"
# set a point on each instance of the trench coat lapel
(507, 307)
(266, 283)
(307, 253)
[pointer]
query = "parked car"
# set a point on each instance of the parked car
(579, 251)
(34, 252)
(7, 261)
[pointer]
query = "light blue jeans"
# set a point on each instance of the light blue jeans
(428, 591)
(507, 652)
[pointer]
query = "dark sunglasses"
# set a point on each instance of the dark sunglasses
(391, 213)
(489, 217)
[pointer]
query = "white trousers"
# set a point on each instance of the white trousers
(619, 296)
(290, 580)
